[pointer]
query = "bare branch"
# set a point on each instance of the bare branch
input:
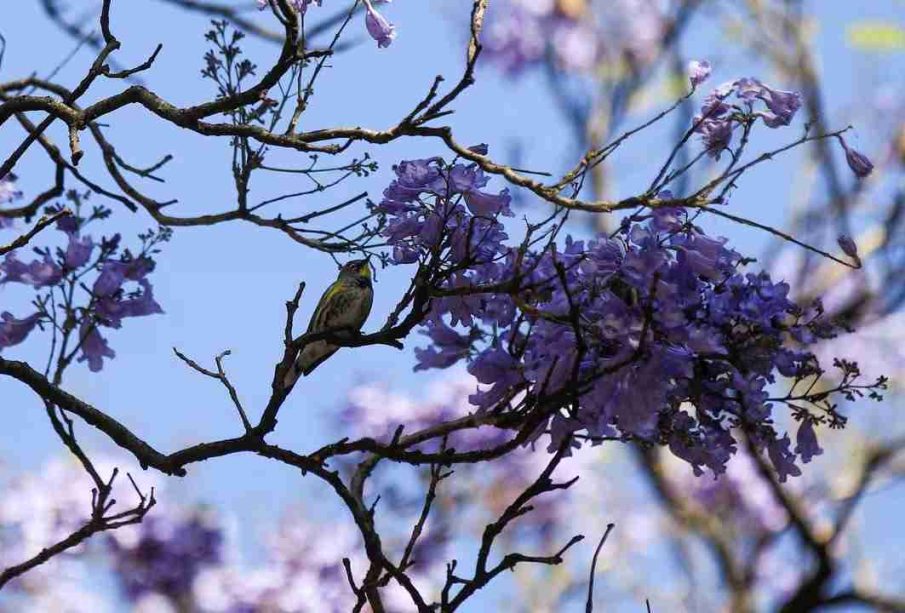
(42, 223)
(219, 375)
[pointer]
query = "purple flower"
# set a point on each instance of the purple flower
(78, 252)
(705, 255)
(68, 224)
(806, 441)
(167, 555)
(783, 106)
(783, 460)
(665, 218)
(460, 179)
(378, 27)
(112, 277)
(94, 348)
(141, 305)
(716, 121)
(698, 72)
(576, 45)
(13, 331)
(404, 227)
(488, 205)
(716, 134)
(525, 33)
(497, 368)
(747, 88)
(412, 176)
(404, 254)
(139, 268)
(114, 274)
(8, 190)
(714, 105)
(113, 309)
(37, 273)
(517, 40)
(449, 347)
(849, 247)
(858, 162)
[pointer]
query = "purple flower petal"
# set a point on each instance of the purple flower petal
(37, 273)
(698, 72)
(858, 162)
(378, 27)
(13, 331)
(112, 277)
(783, 106)
(848, 246)
(783, 460)
(488, 205)
(94, 348)
(78, 252)
(806, 441)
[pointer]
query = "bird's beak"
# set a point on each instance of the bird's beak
(365, 270)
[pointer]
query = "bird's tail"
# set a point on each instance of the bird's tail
(309, 359)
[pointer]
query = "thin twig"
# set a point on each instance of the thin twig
(589, 606)
(42, 223)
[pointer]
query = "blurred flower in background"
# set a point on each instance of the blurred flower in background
(375, 410)
(8, 193)
(178, 558)
(521, 34)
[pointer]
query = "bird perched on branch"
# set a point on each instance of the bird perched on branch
(345, 305)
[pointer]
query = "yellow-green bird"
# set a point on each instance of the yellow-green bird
(346, 304)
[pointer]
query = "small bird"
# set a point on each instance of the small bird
(346, 304)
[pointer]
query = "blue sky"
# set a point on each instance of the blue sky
(224, 287)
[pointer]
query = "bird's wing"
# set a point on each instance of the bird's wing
(325, 307)
(367, 302)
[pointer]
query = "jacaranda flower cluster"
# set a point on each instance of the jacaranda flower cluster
(657, 334)
(82, 288)
(719, 118)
